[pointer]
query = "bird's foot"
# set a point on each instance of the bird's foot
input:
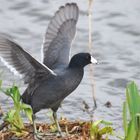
(61, 134)
(42, 136)
(38, 136)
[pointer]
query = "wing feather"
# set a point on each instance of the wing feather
(60, 33)
(19, 61)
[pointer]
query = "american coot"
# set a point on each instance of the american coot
(54, 79)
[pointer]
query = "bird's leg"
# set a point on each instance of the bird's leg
(34, 125)
(57, 123)
(36, 134)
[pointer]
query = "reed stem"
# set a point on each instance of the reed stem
(90, 44)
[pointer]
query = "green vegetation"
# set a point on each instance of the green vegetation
(13, 116)
(100, 128)
(97, 133)
(131, 113)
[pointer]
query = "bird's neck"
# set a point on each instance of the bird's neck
(75, 66)
(77, 71)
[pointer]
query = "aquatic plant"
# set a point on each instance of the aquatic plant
(97, 132)
(98, 129)
(13, 116)
(131, 113)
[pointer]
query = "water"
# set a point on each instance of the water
(116, 45)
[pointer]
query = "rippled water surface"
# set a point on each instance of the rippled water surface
(116, 45)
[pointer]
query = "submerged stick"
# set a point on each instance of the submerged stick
(90, 46)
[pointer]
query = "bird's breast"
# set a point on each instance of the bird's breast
(71, 80)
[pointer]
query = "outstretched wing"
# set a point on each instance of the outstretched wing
(59, 36)
(19, 61)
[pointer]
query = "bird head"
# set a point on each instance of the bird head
(81, 60)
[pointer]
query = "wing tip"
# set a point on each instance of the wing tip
(64, 13)
(72, 3)
(68, 4)
(62, 8)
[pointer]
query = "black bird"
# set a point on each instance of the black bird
(54, 79)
